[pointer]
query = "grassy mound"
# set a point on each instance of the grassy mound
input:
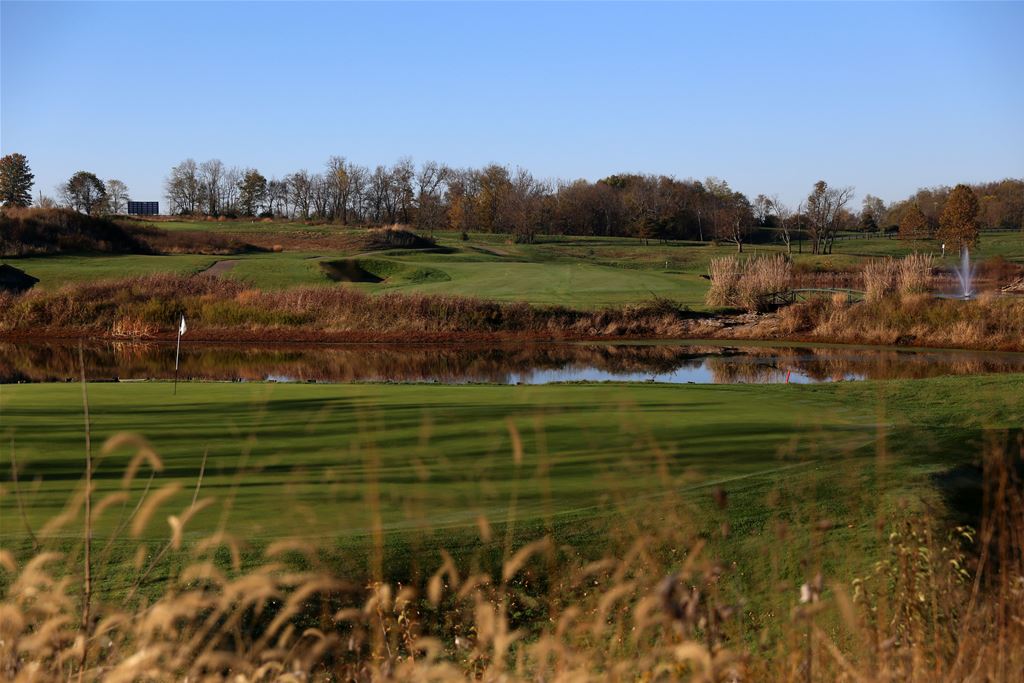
(51, 231)
(47, 231)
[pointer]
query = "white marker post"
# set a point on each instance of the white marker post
(177, 353)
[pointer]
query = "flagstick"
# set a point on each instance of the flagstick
(177, 353)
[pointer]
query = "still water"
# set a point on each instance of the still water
(696, 362)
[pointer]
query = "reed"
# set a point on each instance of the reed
(942, 601)
(753, 284)
(880, 276)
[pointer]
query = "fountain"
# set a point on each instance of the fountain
(965, 274)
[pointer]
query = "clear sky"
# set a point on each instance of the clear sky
(771, 97)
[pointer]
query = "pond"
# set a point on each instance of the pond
(536, 363)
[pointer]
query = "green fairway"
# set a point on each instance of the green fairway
(443, 455)
(56, 270)
(581, 272)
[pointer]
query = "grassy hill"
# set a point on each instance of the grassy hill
(573, 271)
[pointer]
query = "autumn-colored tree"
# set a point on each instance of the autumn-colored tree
(15, 180)
(913, 223)
(959, 221)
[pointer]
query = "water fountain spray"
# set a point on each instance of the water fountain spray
(965, 273)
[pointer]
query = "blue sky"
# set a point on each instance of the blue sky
(771, 97)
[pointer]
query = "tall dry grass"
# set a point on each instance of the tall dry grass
(223, 308)
(753, 284)
(915, 274)
(910, 275)
(988, 322)
(943, 602)
(880, 276)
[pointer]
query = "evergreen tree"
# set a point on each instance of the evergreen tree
(252, 192)
(15, 180)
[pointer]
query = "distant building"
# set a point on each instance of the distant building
(14, 280)
(143, 208)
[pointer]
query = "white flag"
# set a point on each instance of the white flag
(181, 330)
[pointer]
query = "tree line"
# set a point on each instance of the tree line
(499, 199)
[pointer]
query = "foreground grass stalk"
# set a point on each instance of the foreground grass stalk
(87, 561)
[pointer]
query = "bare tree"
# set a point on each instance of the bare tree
(523, 205)
(45, 201)
(301, 187)
(825, 213)
(403, 173)
(322, 195)
(731, 215)
(430, 186)
(873, 213)
(783, 217)
(230, 186)
(211, 178)
(383, 195)
(117, 196)
(183, 189)
(358, 181)
(277, 197)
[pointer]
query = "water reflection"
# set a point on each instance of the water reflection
(455, 364)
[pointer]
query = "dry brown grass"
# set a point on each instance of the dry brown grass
(752, 284)
(907, 276)
(942, 603)
(915, 274)
(989, 322)
(879, 278)
(46, 231)
(223, 308)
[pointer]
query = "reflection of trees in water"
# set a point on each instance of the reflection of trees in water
(478, 363)
(763, 364)
(59, 361)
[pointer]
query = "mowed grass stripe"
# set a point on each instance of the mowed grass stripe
(300, 458)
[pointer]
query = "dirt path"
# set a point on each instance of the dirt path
(220, 267)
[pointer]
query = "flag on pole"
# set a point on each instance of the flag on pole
(177, 351)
